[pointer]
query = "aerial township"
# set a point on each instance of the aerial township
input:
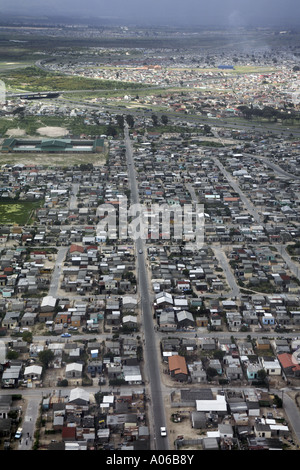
(225, 316)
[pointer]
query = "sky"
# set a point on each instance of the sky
(195, 12)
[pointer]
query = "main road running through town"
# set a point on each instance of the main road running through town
(152, 369)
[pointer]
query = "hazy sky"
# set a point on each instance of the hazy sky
(225, 12)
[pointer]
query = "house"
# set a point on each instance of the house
(185, 319)
(197, 372)
(202, 321)
(68, 433)
(207, 344)
(28, 319)
(261, 429)
(267, 319)
(48, 304)
(167, 321)
(11, 320)
(129, 302)
(5, 405)
(263, 344)
(132, 374)
(233, 368)
(79, 396)
(33, 372)
(130, 321)
(178, 368)
(76, 250)
(215, 364)
(270, 365)
(252, 370)
(217, 405)
(234, 321)
(163, 299)
(289, 364)
(11, 375)
(74, 370)
(215, 320)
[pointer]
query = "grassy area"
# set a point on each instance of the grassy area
(19, 212)
(54, 160)
(31, 124)
(34, 79)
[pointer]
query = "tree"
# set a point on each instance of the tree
(130, 120)
(211, 372)
(45, 357)
(120, 121)
(111, 130)
(206, 129)
(261, 374)
(154, 119)
(27, 336)
(164, 119)
(11, 355)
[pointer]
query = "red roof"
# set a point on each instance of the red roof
(69, 432)
(287, 360)
(76, 248)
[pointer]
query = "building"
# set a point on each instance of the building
(13, 145)
(289, 364)
(178, 368)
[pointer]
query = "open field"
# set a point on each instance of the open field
(46, 125)
(19, 212)
(51, 160)
(34, 79)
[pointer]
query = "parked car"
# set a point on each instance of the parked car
(18, 434)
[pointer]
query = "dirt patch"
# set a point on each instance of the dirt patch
(53, 131)
(15, 132)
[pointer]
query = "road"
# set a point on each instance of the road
(292, 412)
(223, 262)
(73, 197)
(152, 368)
(54, 285)
(29, 420)
(272, 165)
(248, 205)
(293, 267)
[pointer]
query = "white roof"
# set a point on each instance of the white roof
(33, 370)
(79, 393)
(129, 318)
(74, 365)
(108, 399)
(133, 378)
(48, 300)
(219, 404)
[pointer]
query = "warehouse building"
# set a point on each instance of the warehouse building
(13, 145)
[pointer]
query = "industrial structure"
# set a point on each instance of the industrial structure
(13, 145)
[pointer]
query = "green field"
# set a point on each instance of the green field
(19, 212)
(34, 79)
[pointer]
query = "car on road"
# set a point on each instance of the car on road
(140, 252)
(66, 335)
(18, 434)
(163, 431)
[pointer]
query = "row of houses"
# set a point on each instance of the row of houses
(84, 421)
(231, 419)
(205, 359)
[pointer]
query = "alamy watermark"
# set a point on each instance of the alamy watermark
(2, 352)
(151, 222)
(2, 93)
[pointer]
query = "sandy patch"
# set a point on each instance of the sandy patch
(15, 132)
(53, 131)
